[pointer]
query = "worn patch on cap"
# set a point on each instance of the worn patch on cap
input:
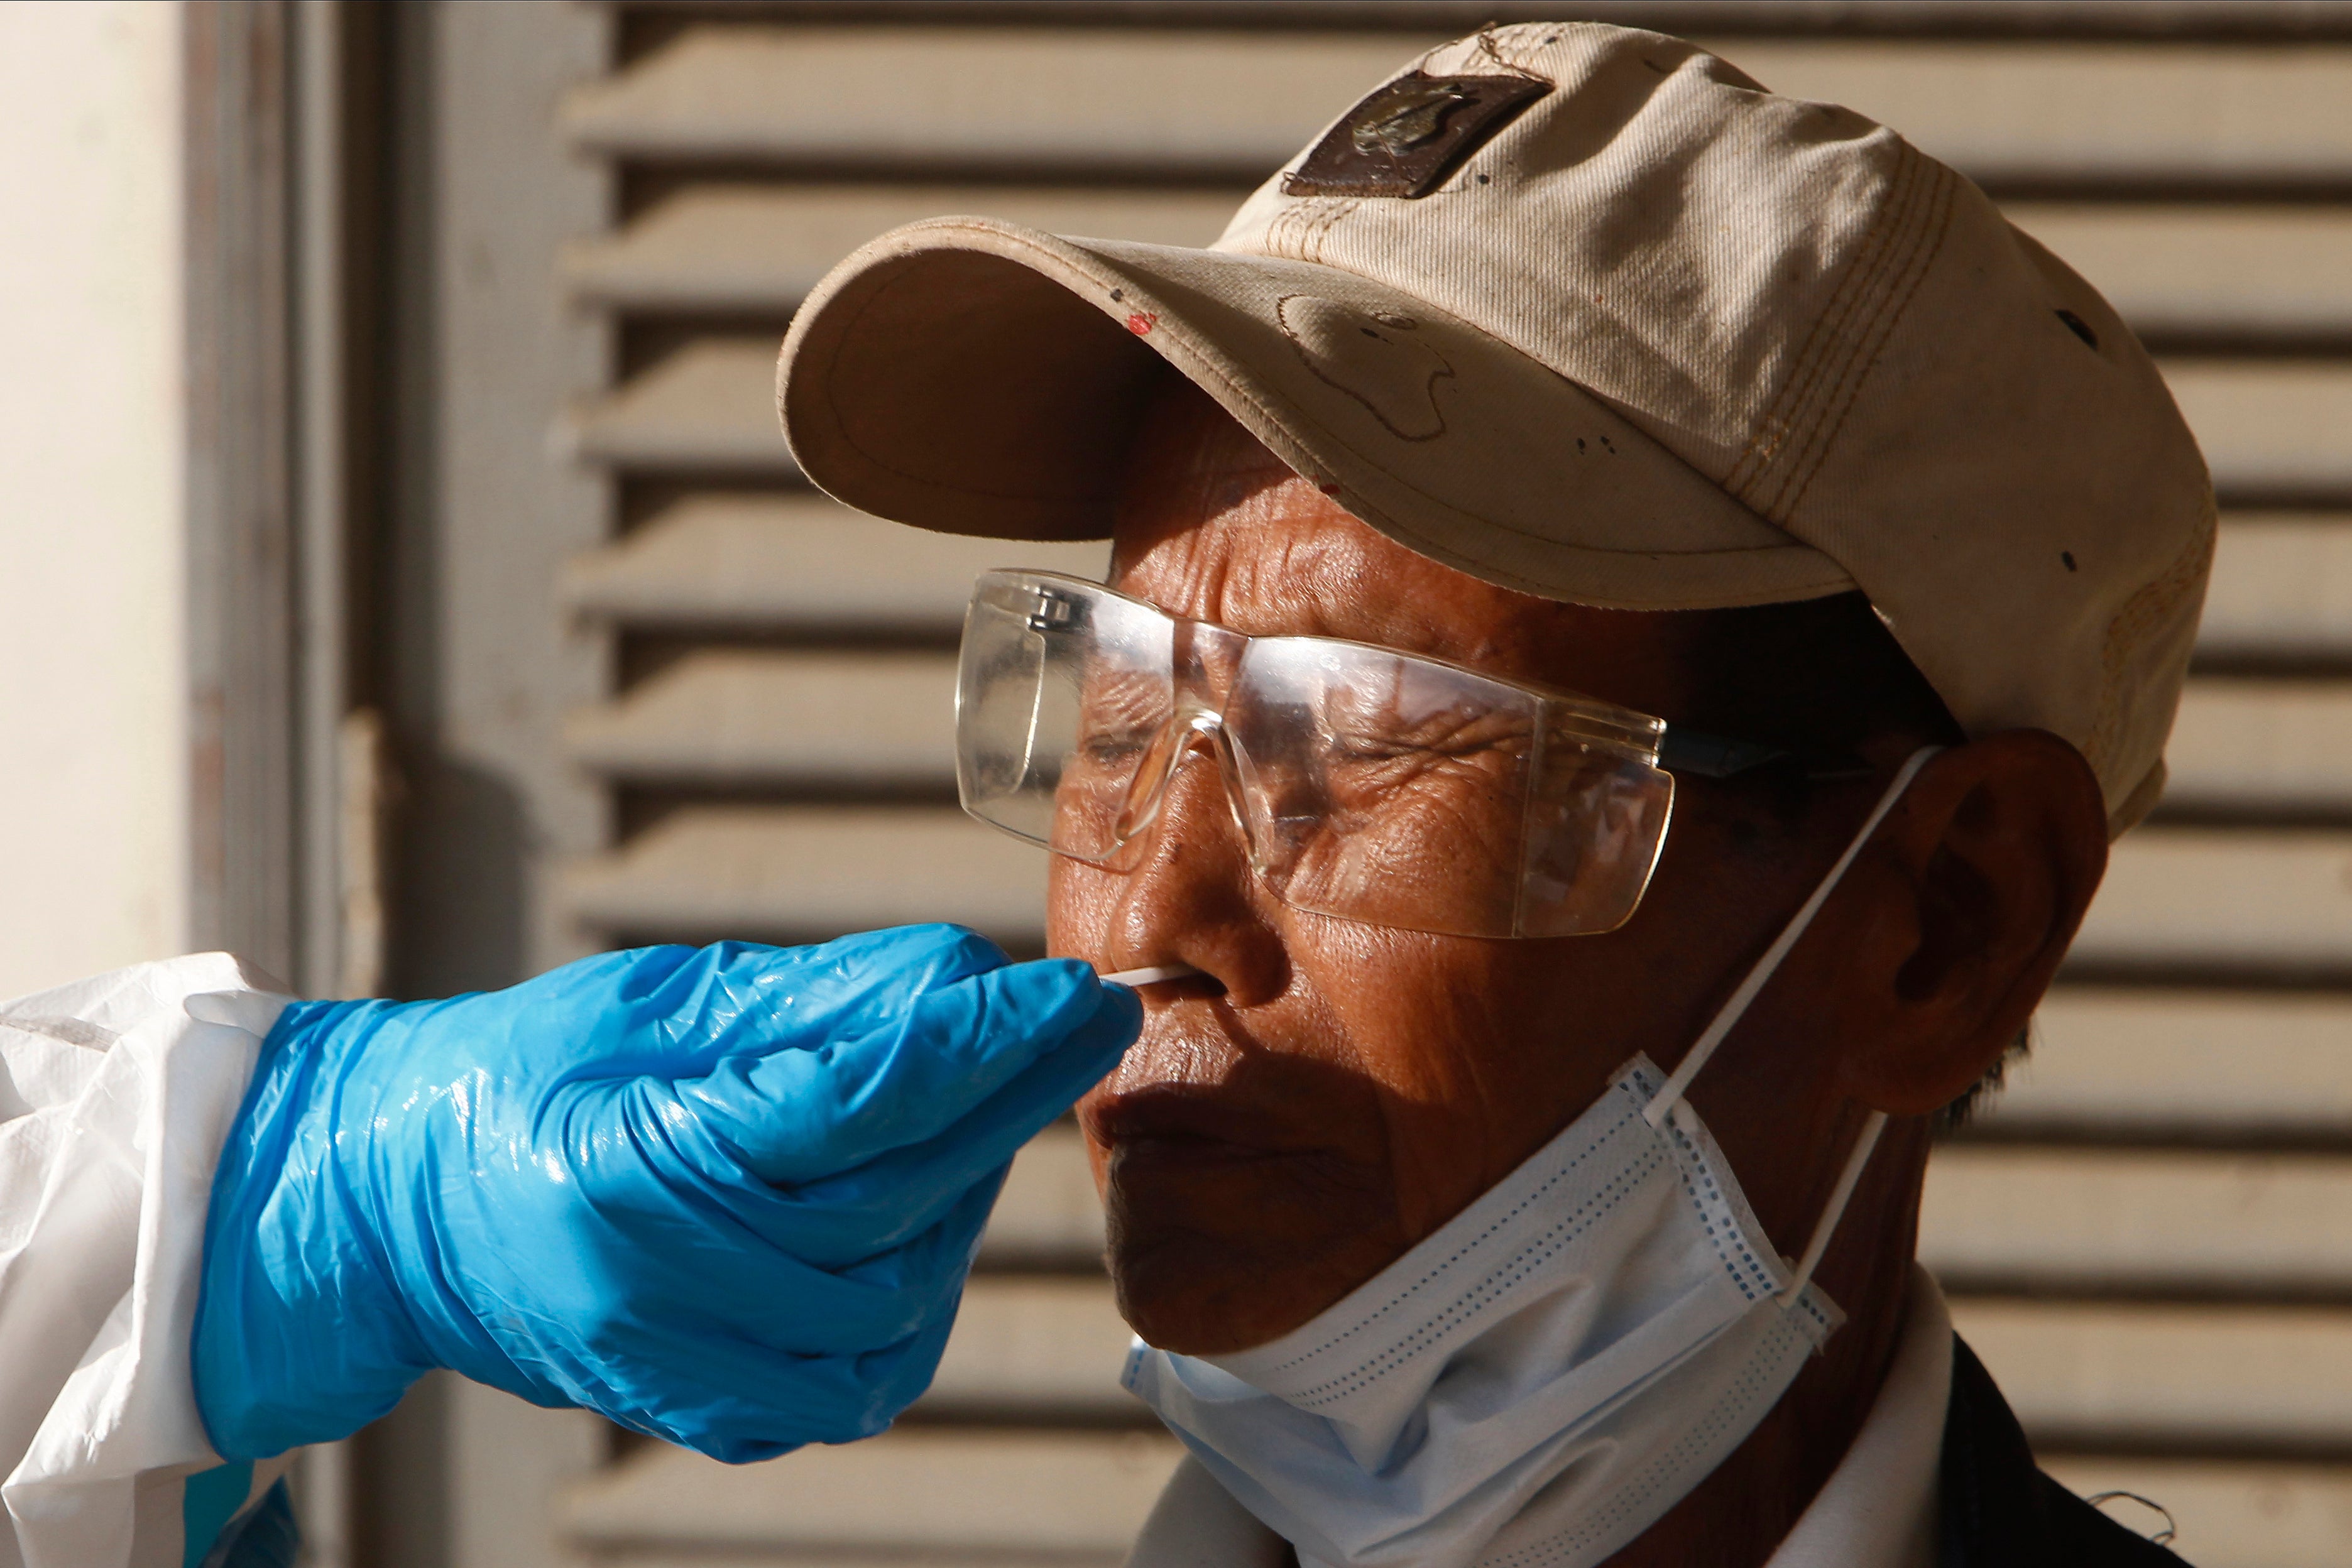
(1411, 134)
(1376, 357)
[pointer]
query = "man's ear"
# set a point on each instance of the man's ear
(1971, 892)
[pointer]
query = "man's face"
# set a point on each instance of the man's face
(1333, 1091)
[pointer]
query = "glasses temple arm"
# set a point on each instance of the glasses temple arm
(1693, 751)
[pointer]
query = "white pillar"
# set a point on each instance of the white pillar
(93, 818)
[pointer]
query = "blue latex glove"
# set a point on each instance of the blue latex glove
(726, 1197)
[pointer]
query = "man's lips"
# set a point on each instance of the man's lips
(1198, 1093)
(1187, 1162)
(1187, 1127)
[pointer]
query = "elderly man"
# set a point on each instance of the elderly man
(1637, 606)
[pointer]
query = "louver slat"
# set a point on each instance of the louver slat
(2246, 271)
(721, 563)
(813, 872)
(729, 248)
(2201, 1068)
(1237, 105)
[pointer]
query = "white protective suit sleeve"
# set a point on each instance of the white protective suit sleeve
(116, 1097)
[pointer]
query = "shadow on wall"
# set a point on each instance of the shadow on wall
(458, 880)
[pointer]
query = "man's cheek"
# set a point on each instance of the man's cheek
(1398, 998)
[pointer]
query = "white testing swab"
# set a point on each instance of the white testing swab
(1150, 976)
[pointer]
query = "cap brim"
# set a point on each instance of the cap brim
(977, 377)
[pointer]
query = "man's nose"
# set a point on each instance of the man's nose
(1193, 898)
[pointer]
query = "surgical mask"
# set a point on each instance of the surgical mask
(1540, 1380)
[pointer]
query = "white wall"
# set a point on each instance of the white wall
(92, 680)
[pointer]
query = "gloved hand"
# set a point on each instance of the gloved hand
(726, 1197)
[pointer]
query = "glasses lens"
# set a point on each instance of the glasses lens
(1596, 821)
(1373, 784)
(1380, 786)
(1384, 788)
(1062, 692)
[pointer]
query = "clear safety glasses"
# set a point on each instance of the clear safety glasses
(1367, 783)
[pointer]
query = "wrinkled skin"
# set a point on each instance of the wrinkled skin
(1333, 1091)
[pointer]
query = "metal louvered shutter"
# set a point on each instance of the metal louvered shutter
(2148, 1238)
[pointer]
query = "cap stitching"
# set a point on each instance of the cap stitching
(1300, 238)
(1944, 184)
(1284, 217)
(1779, 421)
(1340, 214)
(1296, 231)
(1311, 243)
(1524, 45)
(1774, 429)
(1270, 238)
(1848, 342)
(1797, 414)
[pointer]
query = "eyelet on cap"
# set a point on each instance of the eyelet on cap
(2080, 327)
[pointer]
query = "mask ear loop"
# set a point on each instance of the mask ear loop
(1669, 1099)
(1834, 1210)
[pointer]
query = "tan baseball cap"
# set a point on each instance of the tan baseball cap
(1585, 311)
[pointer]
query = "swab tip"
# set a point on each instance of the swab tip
(1150, 975)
